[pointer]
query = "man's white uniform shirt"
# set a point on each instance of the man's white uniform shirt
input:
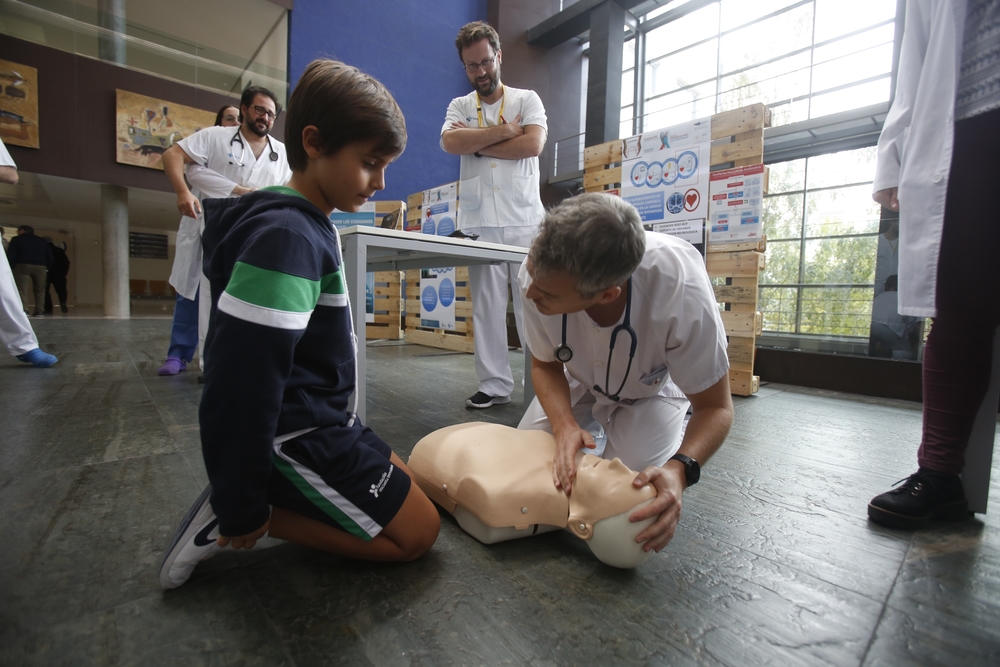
(681, 340)
(494, 192)
(215, 149)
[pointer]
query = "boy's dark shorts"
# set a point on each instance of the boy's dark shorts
(340, 476)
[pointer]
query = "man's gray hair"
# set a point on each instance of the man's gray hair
(596, 238)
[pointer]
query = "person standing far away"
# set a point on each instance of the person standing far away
(30, 258)
(498, 131)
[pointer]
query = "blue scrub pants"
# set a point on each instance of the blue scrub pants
(184, 332)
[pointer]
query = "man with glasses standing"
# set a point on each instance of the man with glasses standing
(499, 131)
(219, 162)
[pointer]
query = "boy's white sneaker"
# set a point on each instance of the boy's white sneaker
(194, 541)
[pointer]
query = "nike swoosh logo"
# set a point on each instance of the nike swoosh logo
(202, 539)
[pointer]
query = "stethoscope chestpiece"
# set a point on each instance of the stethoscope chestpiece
(273, 156)
(564, 353)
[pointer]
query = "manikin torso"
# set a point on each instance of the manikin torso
(497, 481)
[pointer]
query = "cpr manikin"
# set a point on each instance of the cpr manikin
(497, 482)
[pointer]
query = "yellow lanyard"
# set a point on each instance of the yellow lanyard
(479, 109)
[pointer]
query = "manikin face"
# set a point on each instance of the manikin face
(259, 116)
(484, 79)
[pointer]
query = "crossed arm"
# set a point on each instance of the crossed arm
(711, 418)
(509, 141)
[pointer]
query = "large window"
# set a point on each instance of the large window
(822, 237)
(803, 58)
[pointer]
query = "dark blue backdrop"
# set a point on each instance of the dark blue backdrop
(410, 47)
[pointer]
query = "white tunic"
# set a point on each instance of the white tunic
(216, 150)
(915, 148)
(495, 192)
(681, 340)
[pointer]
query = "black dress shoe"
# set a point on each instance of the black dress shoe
(924, 496)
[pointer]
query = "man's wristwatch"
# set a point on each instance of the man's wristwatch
(692, 469)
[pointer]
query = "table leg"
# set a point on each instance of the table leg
(354, 275)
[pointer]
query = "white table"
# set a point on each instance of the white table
(374, 249)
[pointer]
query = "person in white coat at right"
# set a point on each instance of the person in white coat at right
(937, 166)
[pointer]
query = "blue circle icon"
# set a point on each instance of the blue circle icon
(428, 226)
(669, 171)
(429, 299)
(639, 174)
(675, 202)
(654, 175)
(445, 226)
(687, 164)
(446, 292)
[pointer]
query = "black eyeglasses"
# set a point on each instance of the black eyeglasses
(261, 111)
(486, 64)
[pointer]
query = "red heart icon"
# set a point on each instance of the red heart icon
(692, 198)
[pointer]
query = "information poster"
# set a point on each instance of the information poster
(365, 217)
(437, 285)
(692, 231)
(735, 205)
(665, 174)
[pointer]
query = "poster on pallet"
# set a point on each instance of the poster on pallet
(364, 217)
(736, 199)
(665, 176)
(437, 285)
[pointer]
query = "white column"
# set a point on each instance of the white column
(114, 250)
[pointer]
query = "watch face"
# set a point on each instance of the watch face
(692, 470)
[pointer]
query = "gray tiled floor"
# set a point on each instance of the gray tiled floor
(773, 563)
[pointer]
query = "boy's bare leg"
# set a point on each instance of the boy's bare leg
(409, 535)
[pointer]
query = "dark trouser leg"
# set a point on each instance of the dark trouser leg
(59, 282)
(184, 332)
(48, 294)
(959, 352)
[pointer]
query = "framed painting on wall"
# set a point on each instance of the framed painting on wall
(18, 104)
(147, 126)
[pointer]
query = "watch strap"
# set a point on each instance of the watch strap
(692, 469)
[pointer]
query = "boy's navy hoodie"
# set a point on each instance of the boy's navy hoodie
(280, 353)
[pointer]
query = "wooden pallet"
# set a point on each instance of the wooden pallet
(388, 286)
(461, 338)
(738, 141)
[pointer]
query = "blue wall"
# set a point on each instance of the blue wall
(410, 47)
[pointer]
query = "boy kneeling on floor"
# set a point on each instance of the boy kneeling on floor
(285, 455)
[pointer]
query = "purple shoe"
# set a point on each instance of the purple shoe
(172, 366)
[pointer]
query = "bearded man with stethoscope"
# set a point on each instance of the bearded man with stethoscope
(624, 333)
(219, 162)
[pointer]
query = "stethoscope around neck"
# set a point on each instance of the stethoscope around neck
(564, 353)
(272, 156)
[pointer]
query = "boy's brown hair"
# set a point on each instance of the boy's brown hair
(472, 33)
(346, 105)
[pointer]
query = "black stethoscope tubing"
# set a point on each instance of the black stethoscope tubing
(272, 156)
(564, 353)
